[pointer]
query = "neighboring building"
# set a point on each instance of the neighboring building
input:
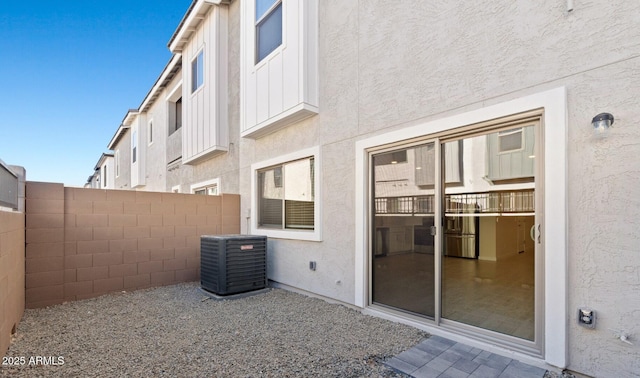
(12, 178)
(437, 162)
(120, 144)
(103, 173)
(208, 160)
(92, 181)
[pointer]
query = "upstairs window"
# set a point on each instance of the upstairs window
(268, 27)
(117, 159)
(178, 109)
(104, 176)
(150, 132)
(510, 155)
(177, 122)
(197, 71)
(175, 115)
(510, 140)
(134, 147)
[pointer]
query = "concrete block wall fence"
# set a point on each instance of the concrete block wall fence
(11, 275)
(83, 243)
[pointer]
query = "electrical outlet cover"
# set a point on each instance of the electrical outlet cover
(587, 318)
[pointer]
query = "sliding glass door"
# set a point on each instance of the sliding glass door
(454, 229)
(488, 254)
(403, 243)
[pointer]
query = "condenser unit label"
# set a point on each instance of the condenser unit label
(246, 247)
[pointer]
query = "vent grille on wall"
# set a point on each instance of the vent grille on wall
(232, 264)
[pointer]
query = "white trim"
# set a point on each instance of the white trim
(134, 144)
(105, 173)
(510, 132)
(316, 234)
(280, 47)
(192, 20)
(281, 120)
(204, 184)
(159, 84)
(175, 93)
(192, 91)
(116, 156)
(555, 205)
(150, 132)
(122, 129)
(263, 109)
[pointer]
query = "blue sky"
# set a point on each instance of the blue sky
(70, 71)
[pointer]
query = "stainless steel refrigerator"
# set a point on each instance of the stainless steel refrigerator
(461, 236)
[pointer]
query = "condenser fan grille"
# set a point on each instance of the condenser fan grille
(231, 264)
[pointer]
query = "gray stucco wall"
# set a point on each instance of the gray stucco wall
(604, 244)
(156, 152)
(123, 180)
(173, 151)
(383, 68)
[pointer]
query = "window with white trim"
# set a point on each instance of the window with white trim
(290, 208)
(197, 71)
(104, 176)
(134, 147)
(211, 190)
(510, 155)
(268, 27)
(208, 188)
(117, 159)
(510, 140)
(290, 203)
(277, 35)
(175, 115)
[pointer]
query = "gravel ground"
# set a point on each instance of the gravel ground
(177, 331)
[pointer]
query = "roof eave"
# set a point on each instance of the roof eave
(122, 129)
(195, 14)
(168, 73)
(103, 157)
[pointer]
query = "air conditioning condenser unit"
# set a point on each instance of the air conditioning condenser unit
(232, 264)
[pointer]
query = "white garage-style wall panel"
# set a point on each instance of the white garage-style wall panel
(282, 88)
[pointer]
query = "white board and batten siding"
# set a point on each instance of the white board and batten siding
(205, 128)
(282, 88)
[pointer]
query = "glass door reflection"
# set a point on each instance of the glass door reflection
(488, 255)
(403, 242)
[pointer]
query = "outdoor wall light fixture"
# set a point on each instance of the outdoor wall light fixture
(602, 122)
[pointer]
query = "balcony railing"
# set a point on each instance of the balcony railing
(408, 205)
(504, 202)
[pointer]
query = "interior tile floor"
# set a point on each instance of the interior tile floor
(437, 357)
(494, 295)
